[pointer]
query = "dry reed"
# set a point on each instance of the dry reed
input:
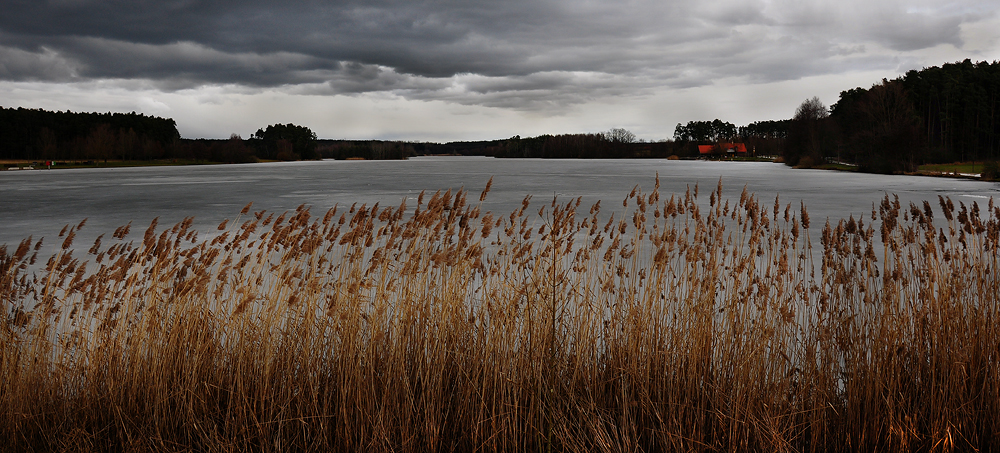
(672, 325)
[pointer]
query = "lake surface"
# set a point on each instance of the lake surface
(39, 203)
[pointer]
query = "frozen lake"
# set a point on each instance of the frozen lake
(41, 202)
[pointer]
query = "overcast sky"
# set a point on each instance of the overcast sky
(443, 70)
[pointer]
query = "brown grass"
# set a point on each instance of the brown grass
(674, 326)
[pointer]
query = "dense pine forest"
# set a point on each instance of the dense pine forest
(938, 114)
(40, 134)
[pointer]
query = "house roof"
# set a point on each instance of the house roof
(724, 147)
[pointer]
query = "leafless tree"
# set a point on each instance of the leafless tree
(619, 135)
(811, 110)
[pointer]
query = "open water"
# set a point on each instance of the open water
(40, 202)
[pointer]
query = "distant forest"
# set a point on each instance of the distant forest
(935, 115)
(40, 134)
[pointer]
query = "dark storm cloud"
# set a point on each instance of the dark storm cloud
(44, 64)
(539, 91)
(519, 53)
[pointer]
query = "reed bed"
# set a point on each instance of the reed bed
(670, 325)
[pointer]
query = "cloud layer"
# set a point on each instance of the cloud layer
(525, 55)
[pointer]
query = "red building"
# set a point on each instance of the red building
(723, 149)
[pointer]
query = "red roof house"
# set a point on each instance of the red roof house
(728, 149)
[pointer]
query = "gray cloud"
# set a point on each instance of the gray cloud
(43, 64)
(910, 31)
(525, 54)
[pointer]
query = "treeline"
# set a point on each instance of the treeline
(35, 134)
(39, 134)
(614, 144)
(764, 138)
(234, 150)
(935, 115)
(718, 130)
(285, 142)
(369, 149)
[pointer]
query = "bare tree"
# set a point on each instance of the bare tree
(619, 135)
(811, 110)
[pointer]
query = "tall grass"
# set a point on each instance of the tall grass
(670, 325)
